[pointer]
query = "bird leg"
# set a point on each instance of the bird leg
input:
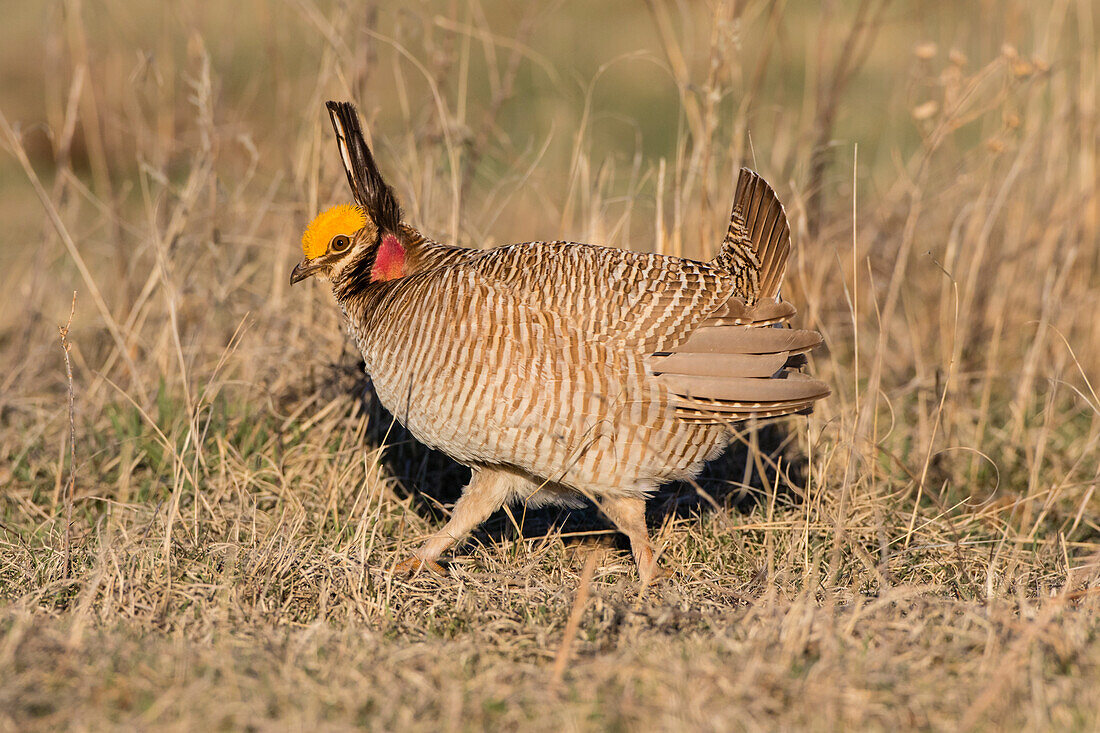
(487, 491)
(628, 515)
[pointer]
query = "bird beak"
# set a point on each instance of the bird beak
(304, 269)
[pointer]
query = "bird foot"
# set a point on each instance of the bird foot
(655, 575)
(414, 564)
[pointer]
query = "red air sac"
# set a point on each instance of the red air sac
(389, 263)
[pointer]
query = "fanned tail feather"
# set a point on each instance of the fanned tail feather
(738, 364)
(758, 230)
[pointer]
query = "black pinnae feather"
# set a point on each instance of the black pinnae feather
(367, 185)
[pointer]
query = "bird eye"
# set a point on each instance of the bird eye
(339, 243)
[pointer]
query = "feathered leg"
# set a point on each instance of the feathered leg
(628, 515)
(487, 491)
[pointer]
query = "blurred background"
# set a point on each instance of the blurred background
(938, 162)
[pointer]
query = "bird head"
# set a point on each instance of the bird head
(353, 245)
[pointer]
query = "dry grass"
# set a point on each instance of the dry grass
(924, 555)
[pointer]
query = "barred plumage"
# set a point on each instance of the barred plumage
(557, 369)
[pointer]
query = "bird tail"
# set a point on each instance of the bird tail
(734, 366)
(758, 239)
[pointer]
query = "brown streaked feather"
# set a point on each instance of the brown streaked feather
(768, 229)
(758, 234)
(715, 374)
(423, 254)
(647, 303)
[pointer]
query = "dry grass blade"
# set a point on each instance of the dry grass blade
(70, 487)
(920, 553)
(63, 232)
(584, 588)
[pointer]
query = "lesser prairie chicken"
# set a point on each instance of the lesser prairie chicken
(557, 370)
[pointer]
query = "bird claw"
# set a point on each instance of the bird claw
(414, 564)
(655, 575)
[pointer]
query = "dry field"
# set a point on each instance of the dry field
(196, 526)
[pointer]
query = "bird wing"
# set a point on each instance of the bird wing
(644, 302)
(712, 351)
(725, 373)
